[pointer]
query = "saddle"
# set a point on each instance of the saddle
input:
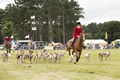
(7, 44)
(74, 40)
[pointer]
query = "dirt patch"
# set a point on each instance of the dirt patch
(91, 72)
(29, 66)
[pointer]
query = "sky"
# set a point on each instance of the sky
(98, 11)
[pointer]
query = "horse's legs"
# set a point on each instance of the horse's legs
(69, 56)
(78, 57)
(73, 52)
(72, 56)
(7, 50)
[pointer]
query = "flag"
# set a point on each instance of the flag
(27, 36)
(106, 35)
(11, 36)
(33, 17)
(34, 28)
(31, 41)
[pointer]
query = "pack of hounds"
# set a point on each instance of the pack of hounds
(46, 56)
(87, 56)
(43, 55)
(101, 55)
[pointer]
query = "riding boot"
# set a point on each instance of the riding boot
(72, 43)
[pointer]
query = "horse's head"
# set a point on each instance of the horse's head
(82, 35)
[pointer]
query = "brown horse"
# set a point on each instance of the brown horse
(77, 46)
(7, 46)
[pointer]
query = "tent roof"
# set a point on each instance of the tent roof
(23, 40)
(95, 41)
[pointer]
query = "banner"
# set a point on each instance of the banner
(27, 36)
(106, 35)
(11, 36)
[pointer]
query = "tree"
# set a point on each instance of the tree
(112, 28)
(7, 29)
(2, 13)
(72, 13)
(59, 21)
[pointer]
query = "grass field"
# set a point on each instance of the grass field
(83, 70)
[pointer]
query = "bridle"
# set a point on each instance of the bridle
(82, 39)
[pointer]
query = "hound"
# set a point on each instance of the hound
(101, 56)
(37, 57)
(51, 57)
(20, 58)
(45, 56)
(5, 57)
(87, 56)
(107, 55)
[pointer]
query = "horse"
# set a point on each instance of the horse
(77, 46)
(7, 46)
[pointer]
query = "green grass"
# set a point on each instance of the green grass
(83, 70)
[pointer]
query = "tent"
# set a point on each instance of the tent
(55, 44)
(95, 41)
(115, 42)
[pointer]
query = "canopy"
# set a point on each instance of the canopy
(95, 41)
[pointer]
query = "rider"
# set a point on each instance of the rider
(7, 38)
(77, 31)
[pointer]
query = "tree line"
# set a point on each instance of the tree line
(54, 19)
(97, 31)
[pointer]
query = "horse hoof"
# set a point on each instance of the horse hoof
(77, 60)
(70, 61)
